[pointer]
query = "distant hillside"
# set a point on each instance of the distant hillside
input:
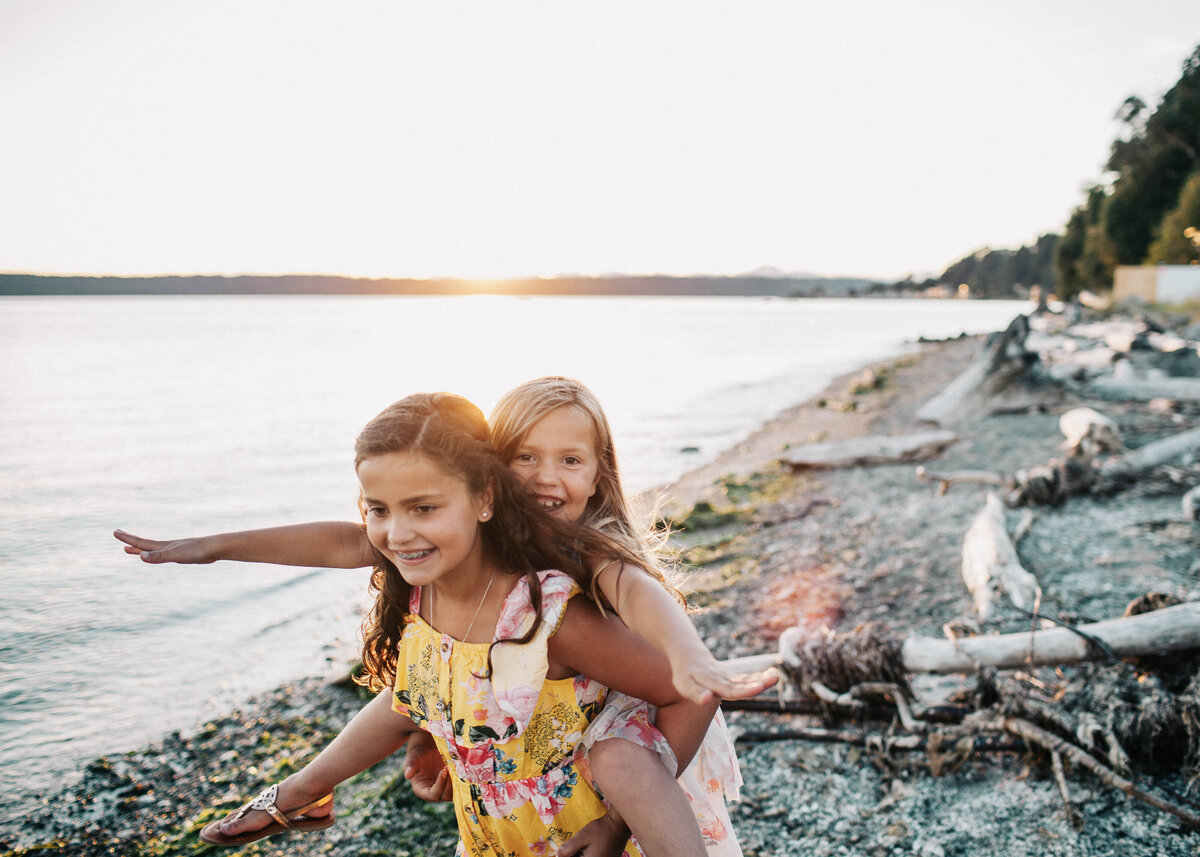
(1001, 273)
(31, 284)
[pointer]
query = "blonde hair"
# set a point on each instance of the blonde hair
(607, 510)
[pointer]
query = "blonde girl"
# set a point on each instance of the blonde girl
(554, 435)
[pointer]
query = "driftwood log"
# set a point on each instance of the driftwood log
(1053, 743)
(945, 478)
(1191, 504)
(1056, 480)
(1146, 389)
(1171, 629)
(1153, 454)
(1003, 360)
(990, 563)
(863, 451)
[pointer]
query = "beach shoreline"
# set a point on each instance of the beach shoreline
(829, 546)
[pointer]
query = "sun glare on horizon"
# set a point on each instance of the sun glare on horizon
(494, 143)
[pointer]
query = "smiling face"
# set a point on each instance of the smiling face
(423, 518)
(557, 462)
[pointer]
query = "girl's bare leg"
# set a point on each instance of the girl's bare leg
(643, 795)
(647, 799)
(374, 734)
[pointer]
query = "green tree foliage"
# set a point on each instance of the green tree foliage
(1152, 162)
(1085, 257)
(1068, 254)
(1175, 245)
(1005, 273)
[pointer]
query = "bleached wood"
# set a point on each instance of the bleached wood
(1154, 454)
(1190, 504)
(874, 449)
(946, 478)
(1003, 361)
(941, 407)
(990, 562)
(1171, 629)
(748, 664)
(1089, 431)
(1145, 389)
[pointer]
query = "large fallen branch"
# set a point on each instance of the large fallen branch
(1056, 480)
(990, 563)
(863, 738)
(1171, 629)
(1003, 360)
(1152, 454)
(944, 713)
(863, 451)
(1049, 741)
(1145, 390)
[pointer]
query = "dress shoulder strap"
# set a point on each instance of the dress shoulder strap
(519, 671)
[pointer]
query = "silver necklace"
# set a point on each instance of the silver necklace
(486, 590)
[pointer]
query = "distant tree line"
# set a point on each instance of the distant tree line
(1150, 211)
(998, 273)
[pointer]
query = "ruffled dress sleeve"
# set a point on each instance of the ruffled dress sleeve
(519, 670)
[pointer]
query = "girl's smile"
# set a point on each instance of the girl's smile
(413, 557)
(424, 518)
(557, 462)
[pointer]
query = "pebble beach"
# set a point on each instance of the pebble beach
(766, 547)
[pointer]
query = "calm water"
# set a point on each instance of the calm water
(182, 415)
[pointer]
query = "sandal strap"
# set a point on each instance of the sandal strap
(305, 810)
(266, 803)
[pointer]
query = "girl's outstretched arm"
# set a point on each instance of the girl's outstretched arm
(644, 604)
(325, 544)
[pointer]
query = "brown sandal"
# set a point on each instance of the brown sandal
(296, 822)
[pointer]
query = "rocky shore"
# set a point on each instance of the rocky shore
(770, 547)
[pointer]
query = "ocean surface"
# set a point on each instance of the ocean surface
(170, 416)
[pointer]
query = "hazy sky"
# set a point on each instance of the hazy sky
(515, 138)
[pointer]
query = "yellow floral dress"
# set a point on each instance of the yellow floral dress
(512, 742)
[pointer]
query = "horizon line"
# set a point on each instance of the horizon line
(754, 274)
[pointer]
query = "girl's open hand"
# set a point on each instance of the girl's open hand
(425, 769)
(702, 679)
(190, 551)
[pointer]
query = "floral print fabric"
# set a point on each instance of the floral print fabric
(512, 744)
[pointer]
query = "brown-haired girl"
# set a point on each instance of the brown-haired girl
(486, 648)
(554, 435)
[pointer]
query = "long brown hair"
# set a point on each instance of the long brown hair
(519, 538)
